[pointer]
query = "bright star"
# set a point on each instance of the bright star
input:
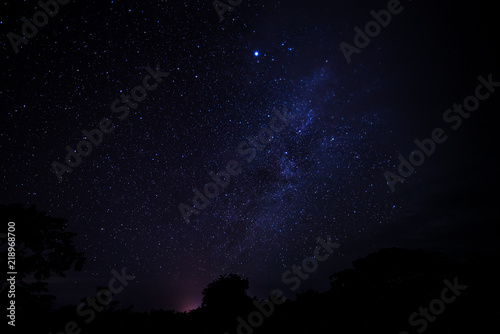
(256, 53)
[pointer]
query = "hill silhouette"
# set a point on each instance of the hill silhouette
(393, 290)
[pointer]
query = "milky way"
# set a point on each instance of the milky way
(322, 175)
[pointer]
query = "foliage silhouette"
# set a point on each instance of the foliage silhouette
(43, 249)
(378, 294)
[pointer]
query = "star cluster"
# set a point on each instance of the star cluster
(322, 175)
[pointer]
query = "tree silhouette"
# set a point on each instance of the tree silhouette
(223, 301)
(227, 290)
(43, 249)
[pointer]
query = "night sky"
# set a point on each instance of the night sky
(321, 175)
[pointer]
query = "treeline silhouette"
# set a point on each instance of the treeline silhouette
(379, 294)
